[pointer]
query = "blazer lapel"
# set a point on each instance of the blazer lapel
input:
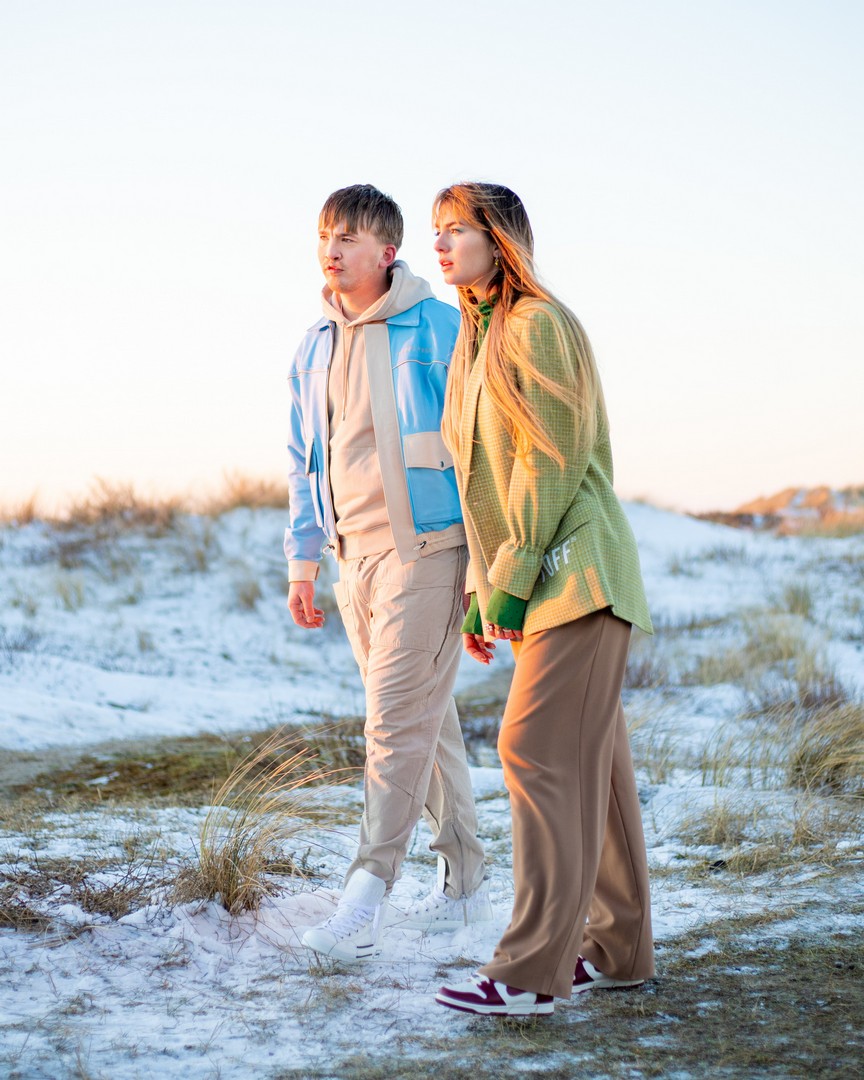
(469, 410)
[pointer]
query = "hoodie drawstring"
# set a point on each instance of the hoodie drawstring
(346, 356)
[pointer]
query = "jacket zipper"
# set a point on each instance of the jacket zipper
(325, 450)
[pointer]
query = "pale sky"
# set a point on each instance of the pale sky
(693, 172)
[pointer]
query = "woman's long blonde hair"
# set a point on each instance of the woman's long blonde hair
(499, 212)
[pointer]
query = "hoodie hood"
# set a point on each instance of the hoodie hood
(406, 290)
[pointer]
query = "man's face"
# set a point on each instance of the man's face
(354, 262)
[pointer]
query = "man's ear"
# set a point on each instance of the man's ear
(388, 257)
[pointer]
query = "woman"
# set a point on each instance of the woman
(555, 571)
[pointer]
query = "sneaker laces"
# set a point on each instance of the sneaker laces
(347, 919)
(432, 902)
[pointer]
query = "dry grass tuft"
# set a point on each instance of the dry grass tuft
(754, 837)
(100, 886)
(23, 513)
(777, 639)
(70, 591)
(681, 566)
(828, 753)
(239, 490)
(645, 669)
(811, 685)
(337, 743)
(734, 554)
(666, 626)
(267, 802)
(773, 640)
(247, 593)
(721, 756)
(798, 599)
(17, 914)
(114, 506)
(726, 823)
(117, 894)
(779, 668)
(181, 771)
(12, 645)
(656, 748)
(178, 771)
(120, 507)
(197, 544)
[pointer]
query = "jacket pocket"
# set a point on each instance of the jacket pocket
(426, 450)
(310, 455)
(314, 477)
(431, 481)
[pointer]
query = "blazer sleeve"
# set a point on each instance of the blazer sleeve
(540, 491)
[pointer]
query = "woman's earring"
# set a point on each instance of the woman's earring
(497, 263)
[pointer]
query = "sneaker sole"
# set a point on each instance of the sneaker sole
(438, 925)
(349, 954)
(431, 925)
(607, 984)
(543, 1009)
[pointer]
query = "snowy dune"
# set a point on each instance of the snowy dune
(136, 636)
(140, 636)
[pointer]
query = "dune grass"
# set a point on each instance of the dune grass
(827, 751)
(111, 506)
(240, 490)
(109, 886)
(185, 770)
(266, 802)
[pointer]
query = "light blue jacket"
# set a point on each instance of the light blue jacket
(408, 358)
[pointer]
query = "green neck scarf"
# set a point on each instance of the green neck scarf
(485, 307)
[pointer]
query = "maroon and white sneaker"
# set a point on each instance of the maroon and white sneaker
(483, 995)
(587, 977)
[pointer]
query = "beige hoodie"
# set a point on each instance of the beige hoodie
(355, 473)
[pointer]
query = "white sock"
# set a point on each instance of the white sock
(364, 890)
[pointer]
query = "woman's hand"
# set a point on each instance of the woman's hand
(503, 633)
(482, 651)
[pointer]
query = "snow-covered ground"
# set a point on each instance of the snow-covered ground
(135, 635)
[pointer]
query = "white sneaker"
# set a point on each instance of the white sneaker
(351, 933)
(438, 912)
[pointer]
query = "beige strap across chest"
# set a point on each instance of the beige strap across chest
(389, 440)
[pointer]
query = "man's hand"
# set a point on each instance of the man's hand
(474, 645)
(301, 604)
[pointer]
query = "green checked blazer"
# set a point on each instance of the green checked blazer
(555, 537)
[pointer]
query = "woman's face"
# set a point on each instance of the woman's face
(466, 254)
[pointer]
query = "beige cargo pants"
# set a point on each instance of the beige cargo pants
(403, 624)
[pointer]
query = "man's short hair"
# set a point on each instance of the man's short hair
(364, 207)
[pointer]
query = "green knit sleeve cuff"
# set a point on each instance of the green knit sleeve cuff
(473, 623)
(505, 610)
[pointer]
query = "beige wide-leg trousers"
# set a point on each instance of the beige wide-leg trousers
(403, 624)
(578, 846)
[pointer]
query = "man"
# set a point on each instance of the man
(371, 479)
